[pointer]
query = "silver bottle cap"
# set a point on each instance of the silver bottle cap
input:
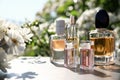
(60, 26)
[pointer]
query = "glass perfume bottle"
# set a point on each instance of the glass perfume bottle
(86, 55)
(103, 39)
(72, 43)
(57, 43)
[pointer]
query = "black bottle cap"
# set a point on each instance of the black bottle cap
(102, 19)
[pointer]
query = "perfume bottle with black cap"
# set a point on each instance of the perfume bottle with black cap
(103, 40)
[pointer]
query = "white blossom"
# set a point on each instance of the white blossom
(26, 34)
(8, 25)
(87, 16)
(116, 32)
(15, 37)
(2, 29)
(16, 42)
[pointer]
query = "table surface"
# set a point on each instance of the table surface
(30, 68)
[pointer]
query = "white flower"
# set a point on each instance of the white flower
(2, 29)
(15, 42)
(9, 25)
(26, 34)
(2, 33)
(116, 32)
(36, 30)
(87, 17)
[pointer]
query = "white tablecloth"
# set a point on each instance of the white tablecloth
(30, 68)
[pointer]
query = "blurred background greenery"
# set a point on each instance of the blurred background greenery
(43, 25)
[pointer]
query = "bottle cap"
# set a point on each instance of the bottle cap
(60, 26)
(85, 45)
(102, 19)
(72, 20)
(69, 45)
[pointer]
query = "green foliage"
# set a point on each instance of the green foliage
(109, 5)
(40, 43)
(74, 13)
(112, 5)
(64, 10)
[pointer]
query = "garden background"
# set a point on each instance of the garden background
(43, 26)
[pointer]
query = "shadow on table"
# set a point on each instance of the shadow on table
(96, 72)
(29, 75)
(33, 60)
(57, 65)
(24, 76)
(112, 68)
(100, 71)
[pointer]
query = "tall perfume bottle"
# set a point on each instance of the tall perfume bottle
(57, 43)
(103, 40)
(72, 43)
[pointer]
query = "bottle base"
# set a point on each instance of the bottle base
(105, 60)
(59, 63)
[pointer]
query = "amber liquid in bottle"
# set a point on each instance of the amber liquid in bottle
(57, 43)
(103, 46)
(58, 46)
(74, 40)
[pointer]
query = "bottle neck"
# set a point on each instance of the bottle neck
(72, 20)
(101, 29)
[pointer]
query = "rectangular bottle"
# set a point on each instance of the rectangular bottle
(72, 43)
(57, 43)
(103, 39)
(86, 55)
(104, 46)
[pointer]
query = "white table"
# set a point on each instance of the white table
(28, 68)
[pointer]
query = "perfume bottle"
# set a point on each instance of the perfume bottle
(103, 40)
(72, 43)
(86, 55)
(57, 43)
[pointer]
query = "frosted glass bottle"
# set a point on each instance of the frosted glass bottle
(57, 43)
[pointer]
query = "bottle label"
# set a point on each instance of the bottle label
(84, 57)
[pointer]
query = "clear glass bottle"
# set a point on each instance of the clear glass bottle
(103, 40)
(86, 55)
(72, 45)
(57, 43)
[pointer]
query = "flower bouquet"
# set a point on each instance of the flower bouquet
(13, 40)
